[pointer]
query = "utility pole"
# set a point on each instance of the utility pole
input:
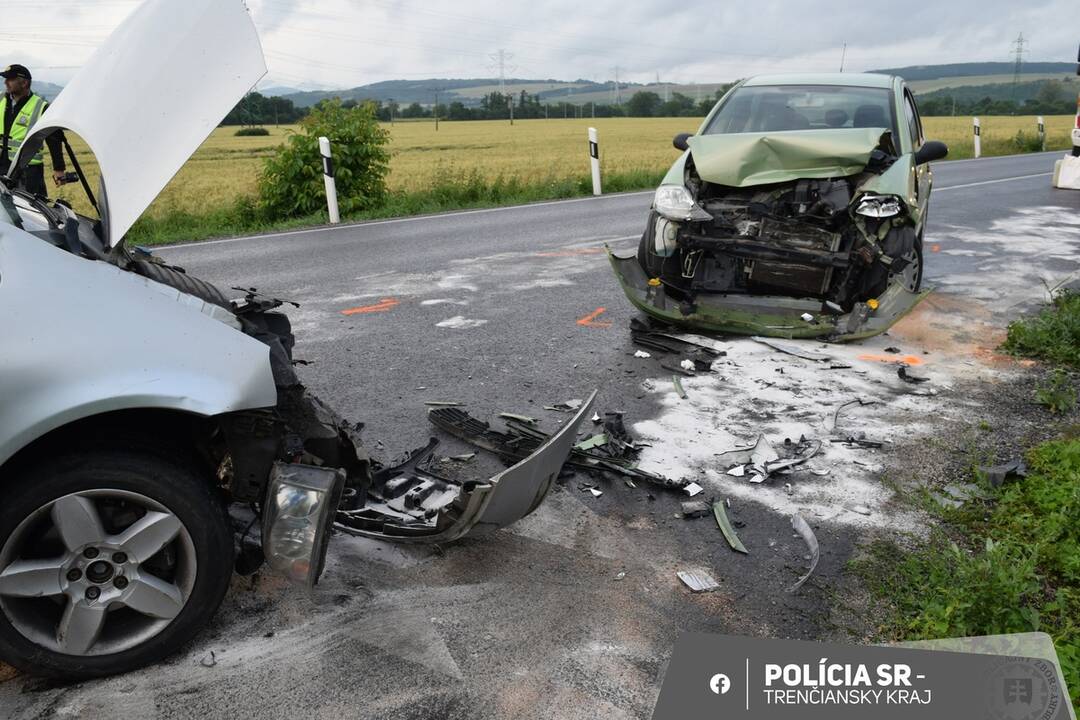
(843, 54)
(390, 102)
(500, 60)
(436, 111)
(1018, 66)
(618, 92)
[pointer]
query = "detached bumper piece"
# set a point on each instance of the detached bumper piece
(765, 315)
(408, 504)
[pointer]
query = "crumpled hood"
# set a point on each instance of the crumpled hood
(745, 159)
(150, 95)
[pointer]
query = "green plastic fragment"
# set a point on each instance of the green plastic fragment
(727, 529)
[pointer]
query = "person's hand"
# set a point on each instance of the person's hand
(58, 177)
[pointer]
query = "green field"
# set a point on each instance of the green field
(536, 159)
(925, 86)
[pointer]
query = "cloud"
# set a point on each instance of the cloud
(344, 43)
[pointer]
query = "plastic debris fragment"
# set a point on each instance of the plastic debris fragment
(725, 527)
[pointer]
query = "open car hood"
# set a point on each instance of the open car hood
(150, 95)
(745, 159)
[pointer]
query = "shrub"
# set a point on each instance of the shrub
(291, 182)
(1053, 334)
(1027, 143)
(251, 132)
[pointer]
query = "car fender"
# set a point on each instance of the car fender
(83, 337)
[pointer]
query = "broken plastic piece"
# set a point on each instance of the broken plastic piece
(595, 492)
(592, 442)
(440, 403)
(807, 534)
(463, 458)
(737, 471)
(807, 317)
(725, 527)
(678, 386)
(694, 509)
(642, 354)
(568, 406)
(596, 418)
(698, 581)
(688, 365)
(792, 349)
(904, 375)
(997, 474)
(519, 418)
(693, 489)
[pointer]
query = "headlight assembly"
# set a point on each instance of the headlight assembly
(301, 502)
(878, 206)
(675, 203)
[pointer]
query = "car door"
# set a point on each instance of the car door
(923, 176)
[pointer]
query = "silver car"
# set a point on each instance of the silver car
(138, 403)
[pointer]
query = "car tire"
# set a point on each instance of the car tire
(172, 592)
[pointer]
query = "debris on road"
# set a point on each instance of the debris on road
(525, 418)
(463, 458)
(595, 492)
(792, 349)
(903, 374)
(441, 403)
(642, 354)
(678, 386)
(694, 509)
(569, 406)
(521, 439)
(698, 581)
(209, 660)
(762, 460)
(688, 365)
(859, 440)
(807, 534)
(726, 528)
(836, 415)
(997, 474)
(807, 317)
(592, 442)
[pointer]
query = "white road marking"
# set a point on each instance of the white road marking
(991, 182)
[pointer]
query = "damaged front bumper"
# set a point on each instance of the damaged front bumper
(766, 315)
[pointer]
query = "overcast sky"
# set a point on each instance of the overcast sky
(345, 43)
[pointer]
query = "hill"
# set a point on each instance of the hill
(912, 73)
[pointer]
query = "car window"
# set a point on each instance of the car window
(913, 122)
(771, 108)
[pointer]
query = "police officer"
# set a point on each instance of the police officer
(20, 109)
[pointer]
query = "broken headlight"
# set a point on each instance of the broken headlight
(878, 206)
(675, 203)
(301, 503)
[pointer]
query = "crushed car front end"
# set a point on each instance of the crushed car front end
(790, 232)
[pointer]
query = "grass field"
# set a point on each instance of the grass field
(542, 155)
(925, 86)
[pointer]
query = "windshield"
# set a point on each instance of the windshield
(773, 108)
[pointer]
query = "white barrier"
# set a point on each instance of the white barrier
(594, 160)
(328, 178)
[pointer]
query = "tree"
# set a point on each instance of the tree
(643, 104)
(291, 182)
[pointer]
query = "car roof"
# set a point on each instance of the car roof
(850, 79)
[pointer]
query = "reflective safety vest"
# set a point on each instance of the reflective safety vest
(20, 126)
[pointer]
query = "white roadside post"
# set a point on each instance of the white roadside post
(978, 143)
(1042, 133)
(594, 160)
(328, 178)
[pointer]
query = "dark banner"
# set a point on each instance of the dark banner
(999, 678)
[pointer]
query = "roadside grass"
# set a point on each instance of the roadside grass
(1006, 562)
(1052, 335)
(528, 161)
(466, 192)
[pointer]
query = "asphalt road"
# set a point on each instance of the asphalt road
(512, 309)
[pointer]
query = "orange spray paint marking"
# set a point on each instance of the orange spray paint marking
(906, 359)
(935, 248)
(590, 319)
(381, 306)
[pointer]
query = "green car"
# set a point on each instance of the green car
(797, 210)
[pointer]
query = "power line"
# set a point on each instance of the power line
(1018, 67)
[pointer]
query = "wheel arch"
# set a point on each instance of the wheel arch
(172, 434)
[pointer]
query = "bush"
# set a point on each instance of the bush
(1027, 143)
(291, 182)
(251, 132)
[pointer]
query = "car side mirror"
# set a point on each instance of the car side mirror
(680, 141)
(930, 151)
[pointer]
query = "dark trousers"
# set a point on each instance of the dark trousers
(33, 180)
